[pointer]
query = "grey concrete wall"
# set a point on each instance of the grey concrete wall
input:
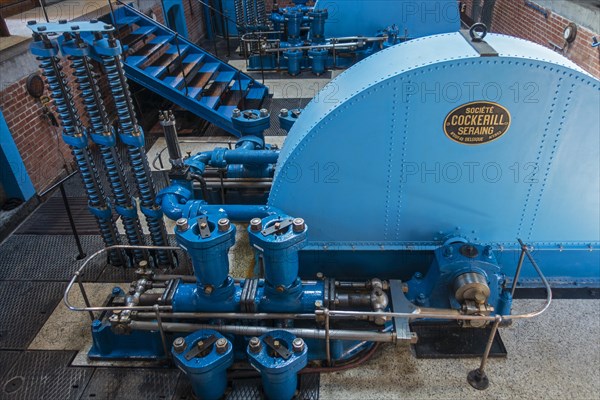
(582, 12)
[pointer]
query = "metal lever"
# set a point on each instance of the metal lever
(201, 347)
(203, 228)
(277, 227)
(278, 348)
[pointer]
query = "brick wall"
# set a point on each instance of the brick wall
(42, 152)
(194, 17)
(514, 18)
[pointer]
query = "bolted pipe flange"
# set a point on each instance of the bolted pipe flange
(224, 225)
(255, 345)
(179, 345)
(221, 345)
(298, 225)
(298, 345)
(182, 224)
(256, 224)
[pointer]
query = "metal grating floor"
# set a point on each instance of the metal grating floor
(25, 308)
(132, 383)
(44, 375)
(47, 257)
(51, 218)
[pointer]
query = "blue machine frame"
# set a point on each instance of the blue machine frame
(385, 219)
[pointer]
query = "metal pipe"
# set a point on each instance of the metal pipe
(336, 334)
(488, 346)
(419, 313)
(163, 339)
(207, 315)
(517, 273)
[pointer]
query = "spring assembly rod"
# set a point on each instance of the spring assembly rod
(132, 135)
(75, 136)
(104, 137)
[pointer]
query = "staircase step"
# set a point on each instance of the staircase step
(144, 30)
(129, 20)
(161, 65)
(257, 93)
(153, 45)
(240, 87)
(191, 64)
(142, 54)
(225, 76)
(183, 48)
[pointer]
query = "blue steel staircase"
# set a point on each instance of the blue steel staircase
(171, 66)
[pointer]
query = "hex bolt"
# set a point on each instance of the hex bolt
(179, 345)
(182, 224)
(255, 345)
(284, 112)
(221, 345)
(264, 112)
(299, 225)
(224, 225)
(236, 113)
(298, 345)
(256, 225)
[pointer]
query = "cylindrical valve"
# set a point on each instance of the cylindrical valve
(204, 356)
(279, 238)
(278, 355)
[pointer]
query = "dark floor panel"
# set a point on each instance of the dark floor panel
(451, 341)
(132, 383)
(7, 360)
(51, 218)
(44, 375)
(47, 257)
(251, 389)
(25, 308)
(309, 387)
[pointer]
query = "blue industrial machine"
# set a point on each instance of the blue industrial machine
(338, 34)
(449, 168)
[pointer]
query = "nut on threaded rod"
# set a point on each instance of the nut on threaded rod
(256, 225)
(299, 225)
(298, 345)
(182, 224)
(255, 345)
(224, 225)
(221, 345)
(179, 345)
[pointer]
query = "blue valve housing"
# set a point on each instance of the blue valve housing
(208, 239)
(204, 356)
(278, 355)
(279, 240)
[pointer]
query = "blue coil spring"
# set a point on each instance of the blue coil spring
(137, 157)
(63, 100)
(94, 105)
